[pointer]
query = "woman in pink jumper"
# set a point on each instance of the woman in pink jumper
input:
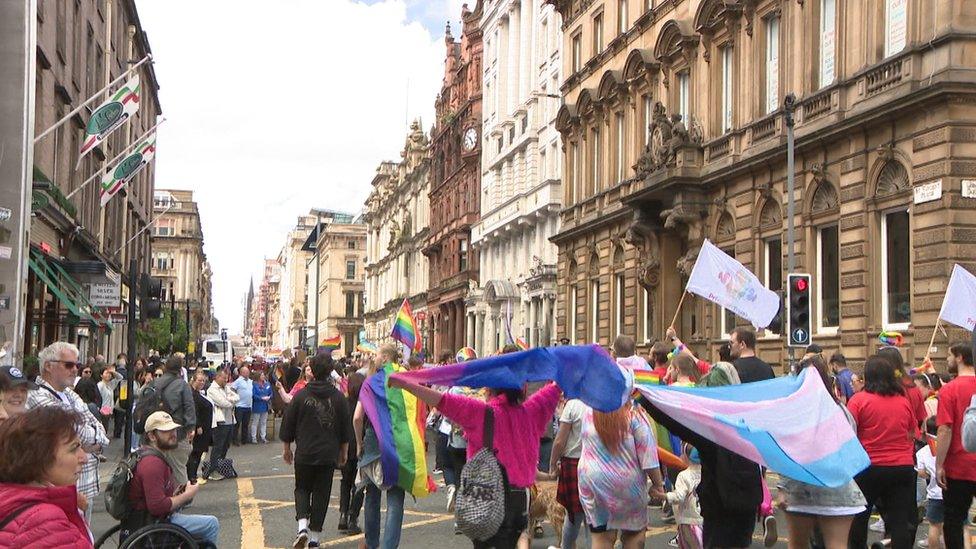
(519, 425)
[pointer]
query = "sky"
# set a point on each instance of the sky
(273, 108)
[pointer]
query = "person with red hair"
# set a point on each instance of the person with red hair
(39, 504)
(619, 454)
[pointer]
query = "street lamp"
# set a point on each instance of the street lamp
(223, 338)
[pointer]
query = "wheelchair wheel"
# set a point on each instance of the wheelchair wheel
(111, 539)
(159, 536)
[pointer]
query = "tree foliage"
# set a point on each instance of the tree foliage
(156, 334)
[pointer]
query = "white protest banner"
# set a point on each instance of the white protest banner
(723, 280)
(959, 304)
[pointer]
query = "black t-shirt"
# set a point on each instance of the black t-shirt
(753, 369)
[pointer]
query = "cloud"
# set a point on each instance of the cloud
(277, 107)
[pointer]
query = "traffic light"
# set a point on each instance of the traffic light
(150, 297)
(798, 313)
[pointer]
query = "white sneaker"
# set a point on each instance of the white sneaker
(878, 526)
(451, 493)
(301, 540)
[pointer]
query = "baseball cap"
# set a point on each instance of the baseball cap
(15, 377)
(160, 421)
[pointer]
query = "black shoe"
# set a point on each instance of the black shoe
(353, 529)
(343, 522)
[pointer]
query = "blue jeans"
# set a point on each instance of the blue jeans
(394, 517)
(201, 527)
(571, 531)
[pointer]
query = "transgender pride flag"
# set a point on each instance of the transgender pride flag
(789, 424)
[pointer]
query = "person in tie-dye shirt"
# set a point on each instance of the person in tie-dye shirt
(619, 453)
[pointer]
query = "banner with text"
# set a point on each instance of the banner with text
(959, 304)
(111, 114)
(721, 279)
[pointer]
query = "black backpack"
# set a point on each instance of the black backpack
(151, 400)
(117, 492)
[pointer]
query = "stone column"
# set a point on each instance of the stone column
(459, 324)
(479, 332)
(533, 323)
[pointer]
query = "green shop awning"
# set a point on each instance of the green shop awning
(67, 290)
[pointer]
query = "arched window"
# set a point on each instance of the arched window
(892, 178)
(726, 227)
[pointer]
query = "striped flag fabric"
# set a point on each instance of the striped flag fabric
(111, 114)
(331, 343)
(816, 446)
(398, 419)
(522, 343)
(364, 345)
(127, 168)
(405, 328)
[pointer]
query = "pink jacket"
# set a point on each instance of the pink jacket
(518, 429)
(51, 520)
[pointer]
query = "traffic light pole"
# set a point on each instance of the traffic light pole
(789, 106)
(131, 354)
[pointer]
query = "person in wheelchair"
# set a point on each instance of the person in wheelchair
(153, 493)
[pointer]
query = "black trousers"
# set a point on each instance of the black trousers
(515, 522)
(459, 456)
(347, 486)
(119, 420)
(894, 488)
(957, 497)
(313, 488)
(221, 441)
(241, 429)
(193, 463)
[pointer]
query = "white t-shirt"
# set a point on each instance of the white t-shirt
(573, 414)
(926, 462)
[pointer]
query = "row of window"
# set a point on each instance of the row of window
(895, 276)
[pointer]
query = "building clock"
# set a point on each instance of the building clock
(470, 139)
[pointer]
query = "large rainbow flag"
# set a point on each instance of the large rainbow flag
(405, 328)
(788, 424)
(399, 420)
(331, 343)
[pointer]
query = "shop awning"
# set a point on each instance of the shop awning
(67, 290)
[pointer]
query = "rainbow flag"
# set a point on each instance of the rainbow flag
(668, 445)
(398, 419)
(405, 328)
(522, 344)
(465, 354)
(364, 345)
(331, 343)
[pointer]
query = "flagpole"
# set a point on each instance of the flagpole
(150, 224)
(680, 302)
(935, 330)
(98, 94)
(117, 157)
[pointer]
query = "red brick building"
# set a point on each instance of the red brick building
(455, 185)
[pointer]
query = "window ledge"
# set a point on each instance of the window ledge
(896, 327)
(826, 331)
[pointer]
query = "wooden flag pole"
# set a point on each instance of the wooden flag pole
(935, 330)
(678, 311)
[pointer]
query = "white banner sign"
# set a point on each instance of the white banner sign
(959, 304)
(721, 279)
(105, 295)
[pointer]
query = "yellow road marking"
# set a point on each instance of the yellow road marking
(252, 529)
(359, 537)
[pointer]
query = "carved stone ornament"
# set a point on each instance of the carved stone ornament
(819, 172)
(687, 262)
(407, 230)
(649, 273)
(394, 234)
(640, 231)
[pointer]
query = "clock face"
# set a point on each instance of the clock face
(470, 139)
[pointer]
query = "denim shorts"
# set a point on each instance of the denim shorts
(935, 511)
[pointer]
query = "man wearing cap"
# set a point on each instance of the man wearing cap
(152, 491)
(58, 364)
(15, 396)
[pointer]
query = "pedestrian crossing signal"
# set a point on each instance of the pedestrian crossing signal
(798, 327)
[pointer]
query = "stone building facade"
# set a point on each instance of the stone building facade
(74, 242)
(178, 259)
(674, 132)
(455, 188)
(340, 250)
(520, 181)
(397, 218)
(293, 264)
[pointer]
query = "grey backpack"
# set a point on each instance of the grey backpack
(480, 501)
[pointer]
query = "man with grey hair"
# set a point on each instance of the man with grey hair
(58, 364)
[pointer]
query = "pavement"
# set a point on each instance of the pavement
(256, 510)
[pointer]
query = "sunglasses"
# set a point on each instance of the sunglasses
(68, 365)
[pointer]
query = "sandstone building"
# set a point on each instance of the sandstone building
(179, 261)
(455, 187)
(337, 281)
(673, 131)
(397, 225)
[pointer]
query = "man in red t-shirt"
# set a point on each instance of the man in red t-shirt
(955, 468)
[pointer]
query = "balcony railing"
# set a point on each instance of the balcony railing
(764, 129)
(884, 77)
(719, 148)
